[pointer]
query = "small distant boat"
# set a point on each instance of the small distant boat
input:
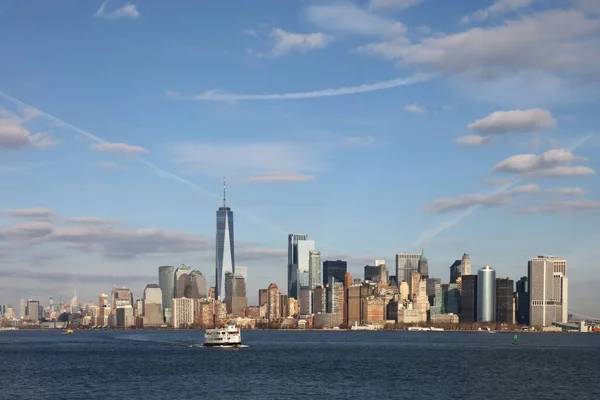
(69, 332)
(230, 335)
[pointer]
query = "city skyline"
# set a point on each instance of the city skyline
(111, 154)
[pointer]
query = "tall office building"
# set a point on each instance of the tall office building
(183, 312)
(504, 301)
(522, 295)
(423, 265)
(334, 269)
(314, 268)
(548, 293)
(468, 299)
(406, 264)
(235, 294)
(195, 286)
(460, 267)
(33, 310)
(152, 305)
(298, 261)
(225, 257)
(372, 273)
(166, 280)
(182, 275)
(274, 297)
(486, 294)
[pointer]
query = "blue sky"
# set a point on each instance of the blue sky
(375, 127)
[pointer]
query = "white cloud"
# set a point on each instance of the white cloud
(287, 41)
(591, 6)
(466, 201)
(250, 32)
(14, 135)
(414, 109)
(526, 189)
(568, 191)
(119, 148)
(423, 30)
(281, 177)
(499, 7)
(563, 207)
(347, 17)
(395, 5)
(473, 140)
(529, 43)
(126, 11)
(30, 213)
(217, 95)
(247, 160)
(553, 163)
(522, 121)
(358, 141)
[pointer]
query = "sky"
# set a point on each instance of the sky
(375, 127)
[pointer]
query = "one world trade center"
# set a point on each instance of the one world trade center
(225, 260)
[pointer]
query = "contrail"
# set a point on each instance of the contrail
(432, 233)
(215, 95)
(158, 171)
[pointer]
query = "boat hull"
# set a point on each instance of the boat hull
(222, 344)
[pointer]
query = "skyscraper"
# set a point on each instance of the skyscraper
(195, 286)
(314, 269)
(468, 299)
(423, 265)
(298, 261)
(166, 280)
(504, 300)
(235, 294)
(460, 267)
(522, 301)
(336, 269)
(152, 305)
(180, 280)
(486, 294)
(225, 255)
(406, 264)
(548, 295)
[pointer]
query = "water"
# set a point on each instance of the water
(292, 365)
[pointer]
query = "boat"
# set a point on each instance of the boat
(69, 332)
(367, 327)
(433, 329)
(228, 336)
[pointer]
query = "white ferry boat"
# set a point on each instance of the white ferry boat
(228, 336)
(367, 327)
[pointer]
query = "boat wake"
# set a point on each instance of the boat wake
(242, 346)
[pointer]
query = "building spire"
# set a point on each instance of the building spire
(224, 196)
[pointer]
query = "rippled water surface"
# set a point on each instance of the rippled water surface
(293, 365)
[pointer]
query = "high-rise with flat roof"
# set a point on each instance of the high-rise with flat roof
(314, 268)
(468, 299)
(504, 300)
(548, 293)
(522, 294)
(166, 280)
(152, 306)
(299, 248)
(334, 269)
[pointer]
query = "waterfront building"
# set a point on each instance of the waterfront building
(124, 316)
(486, 294)
(373, 310)
(468, 299)
(320, 300)
(225, 254)
(283, 306)
(522, 301)
(314, 268)
(152, 311)
(336, 269)
(548, 291)
(183, 312)
(181, 277)
(504, 301)
(406, 264)
(273, 302)
(445, 319)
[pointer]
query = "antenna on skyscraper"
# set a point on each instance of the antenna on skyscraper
(224, 197)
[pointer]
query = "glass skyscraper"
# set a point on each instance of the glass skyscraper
(225, 260)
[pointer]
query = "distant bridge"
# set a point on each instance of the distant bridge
(584, 316)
